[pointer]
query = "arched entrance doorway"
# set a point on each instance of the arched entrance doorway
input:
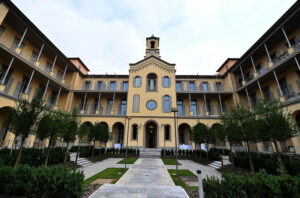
(184, 130)
(118, 133)
(151, 135)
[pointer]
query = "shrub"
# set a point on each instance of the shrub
(255, 185)
(40, 182)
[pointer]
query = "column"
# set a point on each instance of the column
(243, 77)
(44, 95)
(51, 72)
(83, 105)
(260, 90)
(248, 98)
(4, 11)
(290, 49)
(57, 98)
(220, 101)
(26, 95)
(282, 98)
(37, 62)
(254, 68)
(190, 106)
(112, 109)
(18, 48)
(271, 63)
(2, 86)
(297, 63)
(98, 105)
(205, 106)
(63, 77)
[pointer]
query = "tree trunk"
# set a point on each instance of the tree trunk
(20, 153)
(278, 156)
(93, 148)
(67, 152)
(250, 158)
(77, 155)
(48, 152)
(231, 156)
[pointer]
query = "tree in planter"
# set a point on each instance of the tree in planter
(24, 119)
(104, 133)
(69, 132)
(274, 125)
(82, 132)
(244, 124)
(202, 134)
(50, 126)
(94, 136)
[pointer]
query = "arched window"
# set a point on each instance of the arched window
(151, 82)
(137, 81)
(136, 103)
(166, 104)
(166, 81)
(134, 131)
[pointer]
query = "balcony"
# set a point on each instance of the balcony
(95, 89)
(281, 64)
(92, 110)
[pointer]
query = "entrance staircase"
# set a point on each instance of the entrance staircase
(218, 164)
(150, 153)
(80, 161)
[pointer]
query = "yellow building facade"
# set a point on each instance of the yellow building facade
(137, 106)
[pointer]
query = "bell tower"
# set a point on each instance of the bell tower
(152, 44)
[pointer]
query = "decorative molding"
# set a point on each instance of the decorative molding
(151, 62)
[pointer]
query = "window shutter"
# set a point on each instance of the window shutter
(278, 92)
(170, 81)
(86, 109)
(133, 82)
(208, 86)
(7, 87)
(162, 82)
(222, 87)
(96, 85)
(215, 86)
(107, 108)
(198, 109)
(204, 109)
(119, 109)
(116, 85)
(121, 86)
(141, 81)
(290, 88)
(103, 86)
(219, 109)
(183, 110)
(100, 109)
(17, 89)
(163, 104)
(170, 103)
(212, 112)
(83, 85)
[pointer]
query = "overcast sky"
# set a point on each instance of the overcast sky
(196, 35)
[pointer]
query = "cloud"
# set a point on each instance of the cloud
(196, 35)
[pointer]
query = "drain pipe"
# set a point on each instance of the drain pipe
(200, 184)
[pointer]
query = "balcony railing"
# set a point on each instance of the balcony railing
(92, 110)
(185, 88)
(95, 88)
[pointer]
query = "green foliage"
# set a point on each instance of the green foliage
(108, 173)
(258, 185)
(32, 156)
(40, 182)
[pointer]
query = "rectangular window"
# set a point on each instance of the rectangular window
(112, 85)
(59, 75)
(125, 86)
(23, 87)
(167, 104)
(87, 85)
(109, 106)
(205, 86)
(194, 107)
(283, 86)
(180, 107)
(137, 81)
(1, 29)
(167, 132)
(191, 86)
(166, 81)
(53, 98)
(48, 67)
(134, 132)
(33, 57)
(218, 86)
(123, 107)
(178, 86)
(99, 85)
(208, 107)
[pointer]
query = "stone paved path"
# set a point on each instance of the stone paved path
(193, 167)
(100, 166)
(146, 178)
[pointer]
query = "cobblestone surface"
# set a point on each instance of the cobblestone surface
(193, 167)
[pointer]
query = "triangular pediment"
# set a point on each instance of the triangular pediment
(152, 61)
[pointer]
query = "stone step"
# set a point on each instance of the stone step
(150, 156)
(137, 191)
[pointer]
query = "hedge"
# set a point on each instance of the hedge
(86, 151)
(258, 185)
(40, 182)
(267, 162)
(32, 156)
(212, 155)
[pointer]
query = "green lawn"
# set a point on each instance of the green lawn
(170, 161)
(129, 161)
(172, 173)
(109, 173)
